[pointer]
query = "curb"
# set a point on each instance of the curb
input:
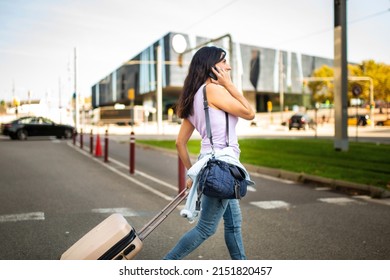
(373, 191)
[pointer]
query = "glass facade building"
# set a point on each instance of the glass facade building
(259, 72)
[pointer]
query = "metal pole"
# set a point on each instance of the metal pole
(159, 90)
(77, 113)
(357, 121)
(91, 142)
(106, 146)
(281, 85)
(59, 99)
(372, 108)
(316, 122)
(340, 75)
(81, 139)
(132, 152)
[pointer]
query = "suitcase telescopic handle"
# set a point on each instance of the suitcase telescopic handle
(162, 215)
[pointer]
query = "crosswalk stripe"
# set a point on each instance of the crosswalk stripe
(33, 216)
(127, 212)
(339, 200)
(272, 204)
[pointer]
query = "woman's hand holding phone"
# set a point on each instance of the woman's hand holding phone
(220, 76)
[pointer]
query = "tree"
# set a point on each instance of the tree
(322, 90)
(379, 72)
(2, 107)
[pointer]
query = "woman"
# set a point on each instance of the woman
(222, 97)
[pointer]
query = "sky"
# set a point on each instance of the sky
(38, 38)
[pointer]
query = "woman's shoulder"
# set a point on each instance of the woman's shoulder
(215, 91)
(214, 87)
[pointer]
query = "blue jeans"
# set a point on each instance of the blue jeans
(213, 209)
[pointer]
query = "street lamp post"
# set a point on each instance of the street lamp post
(159, 90)
(281, 84)
(77, 105)
(181, 50)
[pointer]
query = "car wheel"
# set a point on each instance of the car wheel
(22, 134)
(68, 134)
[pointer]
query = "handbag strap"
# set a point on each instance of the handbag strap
(208, 125)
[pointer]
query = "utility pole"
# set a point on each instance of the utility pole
(59, 98)
(77, 113)
(159, 90)
(340, 75)
(281, 85)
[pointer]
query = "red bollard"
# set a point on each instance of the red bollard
(132, 152)
(106, 147)
(182, 175)
(91, 142)
(81, 138)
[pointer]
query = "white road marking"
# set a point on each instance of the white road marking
(272, 204)
(150, 177)
(323, 189)
(33, 216)
(145, 186)
(127, 212)
(339, 200)
(255, 174)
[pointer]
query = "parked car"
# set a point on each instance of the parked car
(299, 121)
(359, 120)
(36, 126)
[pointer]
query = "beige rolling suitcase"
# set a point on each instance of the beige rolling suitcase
(115, 239)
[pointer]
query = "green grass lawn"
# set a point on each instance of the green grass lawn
(364, 163)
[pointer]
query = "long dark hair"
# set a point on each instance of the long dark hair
(200, 66)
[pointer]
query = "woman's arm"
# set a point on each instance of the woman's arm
(186, 130)
(225, 96)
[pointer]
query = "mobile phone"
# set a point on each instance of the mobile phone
(212, 75)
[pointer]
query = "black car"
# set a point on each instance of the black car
(362, 120)
(36, 126)
(299, 121)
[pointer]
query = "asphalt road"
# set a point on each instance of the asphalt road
(52, 193)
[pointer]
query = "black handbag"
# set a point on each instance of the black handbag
(219, 178)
